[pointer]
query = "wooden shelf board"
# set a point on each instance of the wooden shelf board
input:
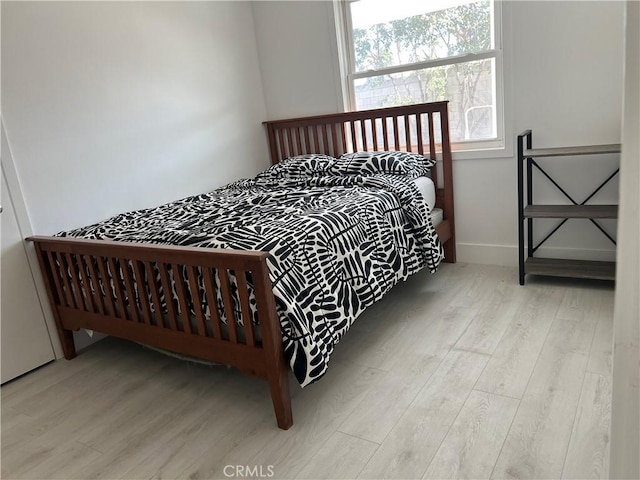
(571, 211)
(567, 151)
(570, 268)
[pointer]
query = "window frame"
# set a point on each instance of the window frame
(493, 147)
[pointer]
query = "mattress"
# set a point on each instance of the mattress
(428, 191)
(437, 216)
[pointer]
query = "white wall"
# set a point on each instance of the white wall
(114, 106)
(564, 67)
(625, 422)
(297, 54)
(567, 77)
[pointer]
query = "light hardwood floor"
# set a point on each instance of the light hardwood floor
(463, 374)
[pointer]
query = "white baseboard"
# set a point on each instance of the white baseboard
(507, 255)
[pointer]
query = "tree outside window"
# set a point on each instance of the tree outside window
(408, 52)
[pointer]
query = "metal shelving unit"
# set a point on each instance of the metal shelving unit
(527, 211)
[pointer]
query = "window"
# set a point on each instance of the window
(413, 51)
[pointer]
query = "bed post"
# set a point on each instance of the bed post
(278, 378)
(273, 147)
(277, 368)
(66, 336)
(447, 175)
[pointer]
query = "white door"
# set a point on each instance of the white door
(23, 331)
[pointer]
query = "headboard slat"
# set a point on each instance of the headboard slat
(374, 128)
(298, 140)
(325, 138)
(363, 129)
(316, 141)
(307, 141)
(334, 139)
(407, 132)
(289, 132)
(281, 151)
(385, 132)
(419, 134)
(396, 133)
(432, 147)
(354, 137)
(343, 135)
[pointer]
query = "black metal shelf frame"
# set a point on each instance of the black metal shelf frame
(525, 142)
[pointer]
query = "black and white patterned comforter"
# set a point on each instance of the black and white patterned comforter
(338, 243)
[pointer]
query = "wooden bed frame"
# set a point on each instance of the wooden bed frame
(75, 269)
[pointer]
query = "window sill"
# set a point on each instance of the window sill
(505, 151)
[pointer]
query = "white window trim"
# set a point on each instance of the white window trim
(500, 147)
(406, 67)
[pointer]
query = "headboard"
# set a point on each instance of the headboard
(421, 128)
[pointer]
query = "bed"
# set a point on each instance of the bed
(118, 287)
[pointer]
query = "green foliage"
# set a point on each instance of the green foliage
(454, 31)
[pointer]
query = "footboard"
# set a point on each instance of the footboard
(169, 297)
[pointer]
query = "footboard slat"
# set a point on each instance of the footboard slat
(178, 279)
(120, 310)
(128, 285)
(75, 290)
(143, 295)
(156, 315)
(85, 292)
(95, 283)
(210, 294)
(114, 288)
(247, 321)
(110, 305)
(61, 294)
(225, 286)
(168, 298)
(197, 301)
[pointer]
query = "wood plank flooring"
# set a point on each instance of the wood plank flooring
(464, 374)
